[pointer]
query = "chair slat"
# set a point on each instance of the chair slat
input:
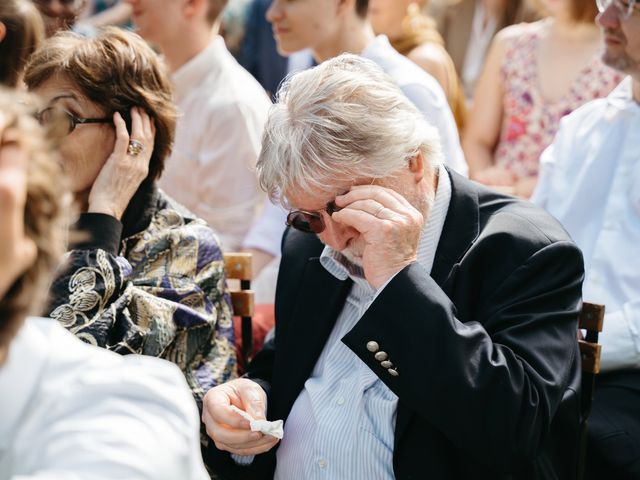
(243, 303)
(238, 266)
(591, 317)
(590, 353)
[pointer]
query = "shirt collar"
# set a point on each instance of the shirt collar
(622, 96)
(381, 42)
(21, 375)
(192, 74)
(341, 268)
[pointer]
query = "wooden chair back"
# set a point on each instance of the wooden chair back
(591, 320)
(238, 267)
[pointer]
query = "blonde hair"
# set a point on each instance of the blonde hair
(116, 70)
(24, 34)
(45, 217)
(342, 119)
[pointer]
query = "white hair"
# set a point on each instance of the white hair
(344, 119)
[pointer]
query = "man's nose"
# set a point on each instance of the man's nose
(337, 235)
(610, 17)
(274, 12)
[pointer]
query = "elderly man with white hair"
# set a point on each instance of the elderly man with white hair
(425, 325)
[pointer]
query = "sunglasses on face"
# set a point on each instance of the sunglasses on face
(311, 221)
(64, 121)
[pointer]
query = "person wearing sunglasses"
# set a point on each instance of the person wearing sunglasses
(590, 181)
(145, 275)
(425, 325)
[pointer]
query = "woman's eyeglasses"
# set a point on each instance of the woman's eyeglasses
(625, 7)
(64, 121)
(310, 222)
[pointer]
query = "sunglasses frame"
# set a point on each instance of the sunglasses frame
(311, 218)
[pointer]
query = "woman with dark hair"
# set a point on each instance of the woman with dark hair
(21, 32)
(535, 74)
(146, 276)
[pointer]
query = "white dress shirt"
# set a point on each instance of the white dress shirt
(218, 139)
(71, 411)
(590, 181)
(423, 91)
(342, 425)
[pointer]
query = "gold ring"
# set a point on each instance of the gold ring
(135, 148)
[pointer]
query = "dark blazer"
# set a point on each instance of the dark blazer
(485, 346)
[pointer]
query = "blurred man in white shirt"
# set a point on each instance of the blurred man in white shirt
(223, 108)
(590, 181)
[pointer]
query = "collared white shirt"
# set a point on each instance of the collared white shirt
(590, 181)
(342, 425)
(422, 90)
(71, 411)
(218, 139)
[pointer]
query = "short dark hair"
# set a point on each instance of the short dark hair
(24, 34)
(116, 70)
(362, 6)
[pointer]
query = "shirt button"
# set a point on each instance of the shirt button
(322, 463)
(340, 401)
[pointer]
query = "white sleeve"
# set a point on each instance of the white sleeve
(266, 233)
(620, 338)
(136, 421)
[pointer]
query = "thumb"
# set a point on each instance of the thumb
(254, 400)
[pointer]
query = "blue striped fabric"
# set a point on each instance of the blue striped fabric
(342, 423)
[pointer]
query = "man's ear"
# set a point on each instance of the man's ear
(193, 8)
(3, 31)
(416, 166)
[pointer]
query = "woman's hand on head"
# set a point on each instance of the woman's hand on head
(124, 171)
(17, 251)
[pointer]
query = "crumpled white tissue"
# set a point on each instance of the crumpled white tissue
(270, 428)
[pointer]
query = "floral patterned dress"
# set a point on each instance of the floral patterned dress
(530, 121)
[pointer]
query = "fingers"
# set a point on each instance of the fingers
(122, 136)
(228, 429)
(142, 128)
(384, 196)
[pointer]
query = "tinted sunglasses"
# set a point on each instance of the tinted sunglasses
(63, 121)
(310, 222)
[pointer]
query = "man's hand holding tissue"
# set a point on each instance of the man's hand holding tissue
(229, 430)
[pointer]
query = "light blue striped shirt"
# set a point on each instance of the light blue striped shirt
(342, 425)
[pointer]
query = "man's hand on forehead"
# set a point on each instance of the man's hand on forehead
(389, 225)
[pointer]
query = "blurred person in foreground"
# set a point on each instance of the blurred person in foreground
(535, 74)
(590, 181)
(21, 32)
(70, 410)
(222, 113)
(147, 276)
(425, 325)
(415, 35)
(329, 28)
